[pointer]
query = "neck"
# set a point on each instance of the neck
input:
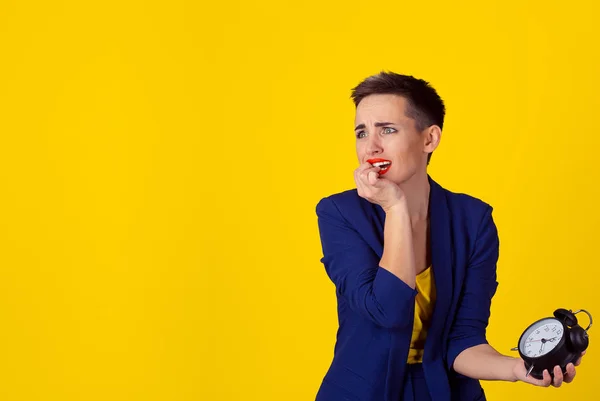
(416, 189)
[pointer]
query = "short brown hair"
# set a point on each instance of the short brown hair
(424, 105)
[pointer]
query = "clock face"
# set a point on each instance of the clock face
(541, 338)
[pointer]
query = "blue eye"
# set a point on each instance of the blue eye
(385, 130)
(358, 135)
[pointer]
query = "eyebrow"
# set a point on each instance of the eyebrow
(362, 126)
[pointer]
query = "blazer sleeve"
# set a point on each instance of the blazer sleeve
(469, 327)
(353, 267)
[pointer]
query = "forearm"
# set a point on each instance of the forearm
(483, 362)
(398, 251)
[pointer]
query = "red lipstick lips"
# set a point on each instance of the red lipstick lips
(384, 164)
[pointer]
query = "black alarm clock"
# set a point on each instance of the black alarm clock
(552, 341)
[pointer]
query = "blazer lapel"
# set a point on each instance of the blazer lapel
(442, 260)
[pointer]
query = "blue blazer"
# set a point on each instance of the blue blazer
(376, 308)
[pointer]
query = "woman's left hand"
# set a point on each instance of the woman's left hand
(520, 371)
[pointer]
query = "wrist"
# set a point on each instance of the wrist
(514, 366)
(399, 207)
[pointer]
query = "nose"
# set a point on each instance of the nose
(373, 146)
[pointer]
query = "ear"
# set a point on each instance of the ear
(431, 138)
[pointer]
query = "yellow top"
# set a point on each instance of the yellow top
(424, 302)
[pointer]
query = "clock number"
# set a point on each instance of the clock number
(559, 332)
(547, 328)
(554, 328)
(537, 332)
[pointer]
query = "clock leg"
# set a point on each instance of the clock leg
(529, 371)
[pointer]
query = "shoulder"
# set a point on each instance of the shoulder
(466, 206)
(472, 226)
(469, 207)
(348, 209)
(470, 216)
(344, 202)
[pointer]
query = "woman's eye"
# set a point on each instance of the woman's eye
(388, 130)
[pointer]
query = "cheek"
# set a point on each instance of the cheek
(408, 154)
(413, 149)
(360, 149)
(404, 150)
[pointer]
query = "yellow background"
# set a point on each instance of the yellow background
(161, 161)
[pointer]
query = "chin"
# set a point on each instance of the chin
(400, 177)
(396, 178)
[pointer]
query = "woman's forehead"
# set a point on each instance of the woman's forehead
(381, 108)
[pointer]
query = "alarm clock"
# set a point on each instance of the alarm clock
(552, 341)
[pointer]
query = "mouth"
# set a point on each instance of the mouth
(384, 164)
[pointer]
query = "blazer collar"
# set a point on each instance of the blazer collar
(442, 260)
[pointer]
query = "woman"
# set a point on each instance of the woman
(414, 265)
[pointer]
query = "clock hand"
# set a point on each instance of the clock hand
(542, 340)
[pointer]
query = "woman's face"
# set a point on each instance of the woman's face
(384, 132)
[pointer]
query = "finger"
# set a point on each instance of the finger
(358, 172)
(359, 185)
(362, 189)
(558, 376)
(371, 169)
(537, 382)
(365, 175)
(361, 172)
(579, 359)
(372, 177)
(547, 379)
(362, 182)
(570, 375)
(365, 166)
